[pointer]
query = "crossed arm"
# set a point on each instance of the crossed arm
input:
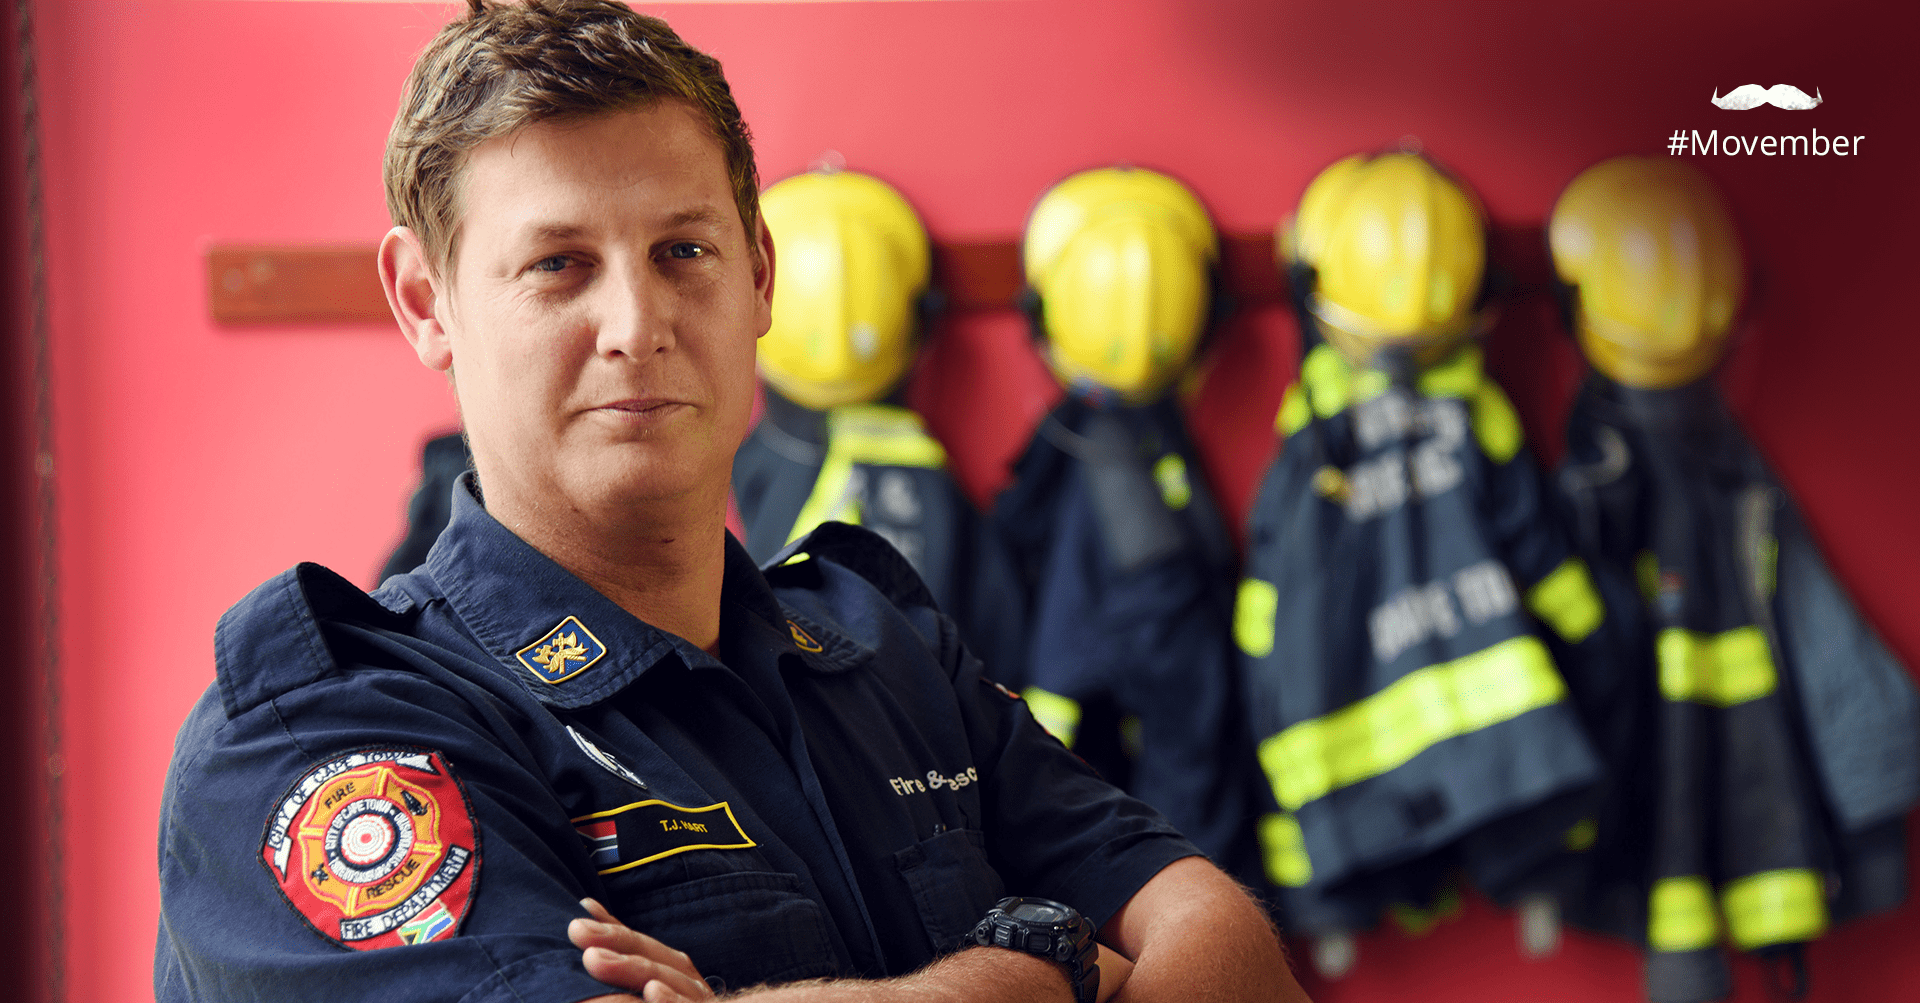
(1189, 934)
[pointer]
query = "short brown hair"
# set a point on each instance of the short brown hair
(503, 67)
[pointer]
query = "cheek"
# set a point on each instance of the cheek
(736, 358)
(741, 380)
(509, 371)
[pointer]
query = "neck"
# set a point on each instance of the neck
(663, 561)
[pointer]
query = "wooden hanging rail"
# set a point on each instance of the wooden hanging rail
(294, 285)
(280, 284)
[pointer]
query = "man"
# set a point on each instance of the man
(798, 778)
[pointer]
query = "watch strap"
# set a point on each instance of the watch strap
(1068, 943)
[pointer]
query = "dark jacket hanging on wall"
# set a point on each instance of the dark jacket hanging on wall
(1404, 693)
(1129, 566)
(442, 461)
(1786, 743)
(874, 465)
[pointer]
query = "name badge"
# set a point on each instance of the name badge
(646, 831)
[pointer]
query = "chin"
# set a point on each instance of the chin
(641, 484)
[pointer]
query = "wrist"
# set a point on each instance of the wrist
(1048, 931)
(979, 974)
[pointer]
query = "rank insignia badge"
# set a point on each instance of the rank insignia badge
(801, 639)
(566, 651)
(376, 848)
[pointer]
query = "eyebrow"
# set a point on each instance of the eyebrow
(556, 232)
(697, 216)
(701, 215)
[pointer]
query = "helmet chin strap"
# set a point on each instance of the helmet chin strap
(1363, 342)
(1399, 361)
(1617, 355)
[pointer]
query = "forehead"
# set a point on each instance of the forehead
(622, 167)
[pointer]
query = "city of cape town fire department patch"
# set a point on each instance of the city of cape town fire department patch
(376, 848)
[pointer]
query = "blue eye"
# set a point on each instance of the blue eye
(557, 263)
(686, 250)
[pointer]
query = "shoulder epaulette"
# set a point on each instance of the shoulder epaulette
(863, 552)
(271, 642)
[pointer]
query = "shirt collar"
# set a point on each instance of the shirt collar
(566, 643)
(750, 609)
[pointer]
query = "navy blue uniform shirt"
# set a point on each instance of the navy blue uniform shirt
(404, 795)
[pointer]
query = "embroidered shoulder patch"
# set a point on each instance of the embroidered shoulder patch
(376, 848)
(646, 831)
(566, 651)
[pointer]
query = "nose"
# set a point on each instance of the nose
(635, 312)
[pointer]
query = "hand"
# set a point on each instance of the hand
(634, 961)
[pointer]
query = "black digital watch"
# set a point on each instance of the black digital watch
(1046, 929)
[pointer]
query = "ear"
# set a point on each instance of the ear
(763, 280)
(414, 294)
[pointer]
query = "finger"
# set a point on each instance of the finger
(660, 992)
(598, 911)
(627, 972)
(633, 972)
(626, 943)
(616, 937)
(585, 933)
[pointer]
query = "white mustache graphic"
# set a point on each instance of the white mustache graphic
(1784, 96)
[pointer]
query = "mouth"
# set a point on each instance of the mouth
(642, 409)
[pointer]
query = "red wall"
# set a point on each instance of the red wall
(194, 461)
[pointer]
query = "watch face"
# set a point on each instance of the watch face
(1035, 912)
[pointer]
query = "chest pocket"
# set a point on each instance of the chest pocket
(741, 928)
(952, 884)
(694, 879)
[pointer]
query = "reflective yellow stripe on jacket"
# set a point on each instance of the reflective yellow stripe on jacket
(1786, 906)
(1716, 669)
(1254, 608)
(1681, 916)
(1284, 850)
(871, 434)
(1058, 714)
(1566, 601)
(1775, 907)
(1329, 383)
(1364, 739)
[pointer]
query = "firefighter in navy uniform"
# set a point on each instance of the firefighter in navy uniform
(1785, 738)
(1406, 589)
(548, 746)
(1110, 518)
(589, 688)
(833, 444)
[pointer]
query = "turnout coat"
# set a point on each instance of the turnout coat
(1782, 738)
(1418, 642)
(1129, 568)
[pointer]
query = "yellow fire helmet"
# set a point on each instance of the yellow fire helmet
(852, 261)
(1649, 249)
(1121, 259)
(1398, 250)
